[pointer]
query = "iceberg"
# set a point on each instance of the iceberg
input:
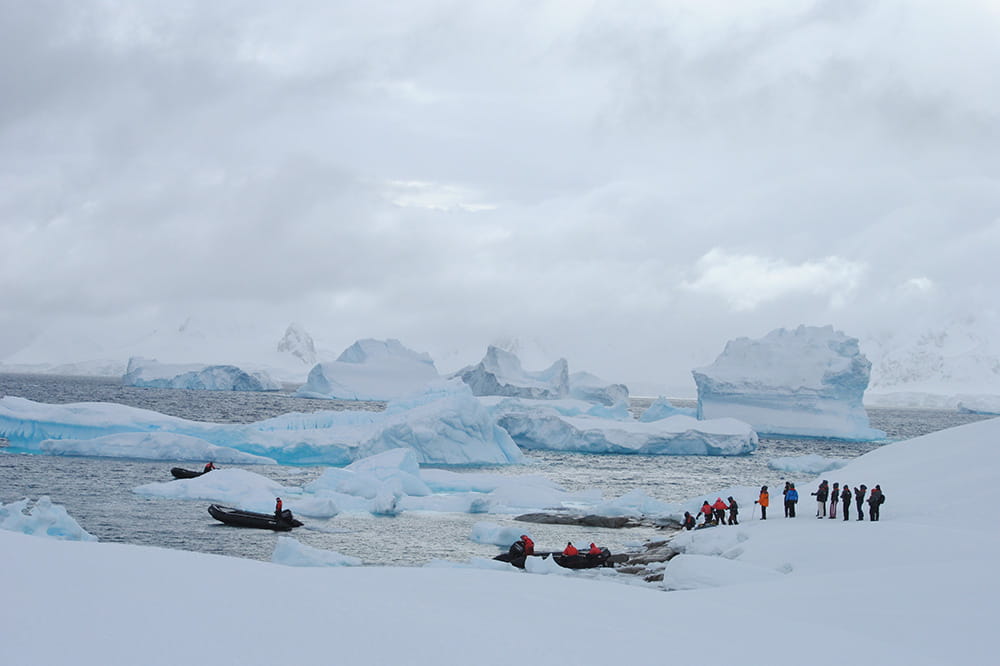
(446, 425)
(43, 518)
(149, 373)
(151, 446)
(810, 464)
(808, 382)
(983, 404)
(371, 370)
(661, 408)
(591, 388)
(500, 373)
(553, 425)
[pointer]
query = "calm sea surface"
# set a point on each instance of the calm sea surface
(98, 492)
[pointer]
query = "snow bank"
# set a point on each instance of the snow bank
(807, 382)
(151, 374)
(293, 553)
(808, 464)
(371, 370)
(42, 518)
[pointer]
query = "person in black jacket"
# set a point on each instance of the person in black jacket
(859, 499)
(689, 521)
(734, 510)
(874, 502)
(845, 497)
(821, 495)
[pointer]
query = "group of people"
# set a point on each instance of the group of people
(714, 514)
(524, 546)
(830, 497)
(827, 500)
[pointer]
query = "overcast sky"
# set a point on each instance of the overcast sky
(627, 185)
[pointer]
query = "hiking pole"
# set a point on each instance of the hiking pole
(754, 513)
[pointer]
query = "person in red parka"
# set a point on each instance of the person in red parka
(720, 508)
(594, 550)
(706, 512)
(570, 549)
(277, 508)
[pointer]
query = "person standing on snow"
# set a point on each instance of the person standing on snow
(720, 511)
(764, 499)
(859, 499)
(834, 498)
(784, 493)
(706, 512)
(734, 511)
(791, 497)
(874, 502)
(821, 495)
(845, 496)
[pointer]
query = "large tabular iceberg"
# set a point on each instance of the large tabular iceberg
(567, 425)
(445, 425)
(152, 374)
(807, 382)
(371, 370)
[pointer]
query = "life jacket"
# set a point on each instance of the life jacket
(570, 550)
(764, 499)
(277, 506)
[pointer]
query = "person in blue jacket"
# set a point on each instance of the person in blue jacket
(791, 497)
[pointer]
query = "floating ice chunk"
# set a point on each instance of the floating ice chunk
(151, 446)
(291, 552)
(42, 519)
(661, 408)
(808, 464)
(537, 425)
(807, 382)
(371, 370)
(151, 374)
(491, 533)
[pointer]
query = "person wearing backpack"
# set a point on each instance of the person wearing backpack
(875, 501)
(845, 496)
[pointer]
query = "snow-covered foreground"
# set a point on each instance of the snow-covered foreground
(919, 587)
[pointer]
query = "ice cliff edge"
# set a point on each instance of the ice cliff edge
(804, 382)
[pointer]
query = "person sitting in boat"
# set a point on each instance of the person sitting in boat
(594, 550)
(522, 547)
(570, 549)
(209, 466)
(277, 508)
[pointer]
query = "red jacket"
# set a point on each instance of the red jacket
(529, 545)
(720, 505)
(277, 505)
(570, 550)
(594, 550)
(706, 508)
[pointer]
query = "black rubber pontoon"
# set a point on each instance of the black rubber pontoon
(241, 518)
(181, 473)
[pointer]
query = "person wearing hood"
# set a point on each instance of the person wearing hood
(734, 511)
(834, 498)
(845, 497)
(764, 499)
(570, 549)
(821, 495)
(791, 497)
(706, 512)
(688, 522)
(859, 500)
(875, 500)
(720, 510)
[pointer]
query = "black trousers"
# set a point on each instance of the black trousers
(873, 511)
(861, 510)
(763, 513)
(789, 509)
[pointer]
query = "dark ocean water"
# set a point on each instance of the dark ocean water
(98, 493)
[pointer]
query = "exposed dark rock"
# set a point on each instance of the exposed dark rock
(613, 522)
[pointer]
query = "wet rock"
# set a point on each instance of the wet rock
(613, 522)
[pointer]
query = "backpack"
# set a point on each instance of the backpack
(881, 499)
